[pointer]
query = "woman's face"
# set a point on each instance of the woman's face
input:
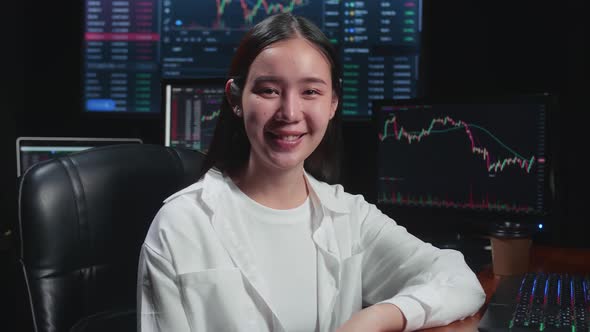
(287, 103)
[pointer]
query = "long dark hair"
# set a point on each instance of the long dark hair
(230, 148)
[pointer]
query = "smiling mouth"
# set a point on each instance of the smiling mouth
(284, 141)
(288, 138)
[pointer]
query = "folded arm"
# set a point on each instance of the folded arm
(430, 286)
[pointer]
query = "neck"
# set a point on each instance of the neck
(274, 189)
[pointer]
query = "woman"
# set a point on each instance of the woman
(261, 243)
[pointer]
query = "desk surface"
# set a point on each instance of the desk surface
(545, 259)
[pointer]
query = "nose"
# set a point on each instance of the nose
(290, 108)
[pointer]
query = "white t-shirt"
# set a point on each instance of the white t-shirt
(286, 255)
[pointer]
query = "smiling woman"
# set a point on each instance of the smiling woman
(287, 103)
(262, 243)
(230, 148)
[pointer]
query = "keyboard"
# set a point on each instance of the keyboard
(540, 302)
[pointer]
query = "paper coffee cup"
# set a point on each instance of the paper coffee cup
(511, 249)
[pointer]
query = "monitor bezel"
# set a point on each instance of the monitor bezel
(66, 141)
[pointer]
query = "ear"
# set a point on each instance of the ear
(233, 93)
(333, 106)
(228, 92)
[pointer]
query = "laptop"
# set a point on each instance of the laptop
(192, 107)
(32, 150)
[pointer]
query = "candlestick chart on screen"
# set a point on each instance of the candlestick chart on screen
(471, 156)
(233, 14)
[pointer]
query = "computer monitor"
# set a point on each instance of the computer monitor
(32, 150)
(192, 107)
(129, 46)
(481, 160)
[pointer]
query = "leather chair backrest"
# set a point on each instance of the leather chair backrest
(82, 220)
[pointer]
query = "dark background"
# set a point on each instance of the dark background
(475, 48)
(469, 48)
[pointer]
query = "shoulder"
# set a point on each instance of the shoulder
(353, 216)
(336, 198)
(185, 214)
(213, 181)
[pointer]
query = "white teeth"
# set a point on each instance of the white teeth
(289, 138)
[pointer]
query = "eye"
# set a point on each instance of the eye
(311, 92)
(267, 91)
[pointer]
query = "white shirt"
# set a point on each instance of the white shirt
(286, 255)
(198, 272)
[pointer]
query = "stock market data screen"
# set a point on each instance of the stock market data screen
(121, 56)
(131, 45)
(485, 155)
(192, 108)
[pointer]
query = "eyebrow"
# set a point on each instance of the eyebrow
(275, 79)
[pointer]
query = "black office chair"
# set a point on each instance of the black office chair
(82, 220)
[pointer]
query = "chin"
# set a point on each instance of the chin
(287, 164)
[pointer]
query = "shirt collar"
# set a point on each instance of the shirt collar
(213, 184)
(210, 186)
(329, 196)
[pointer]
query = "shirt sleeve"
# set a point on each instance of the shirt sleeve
(431, 286)
(159, 304)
